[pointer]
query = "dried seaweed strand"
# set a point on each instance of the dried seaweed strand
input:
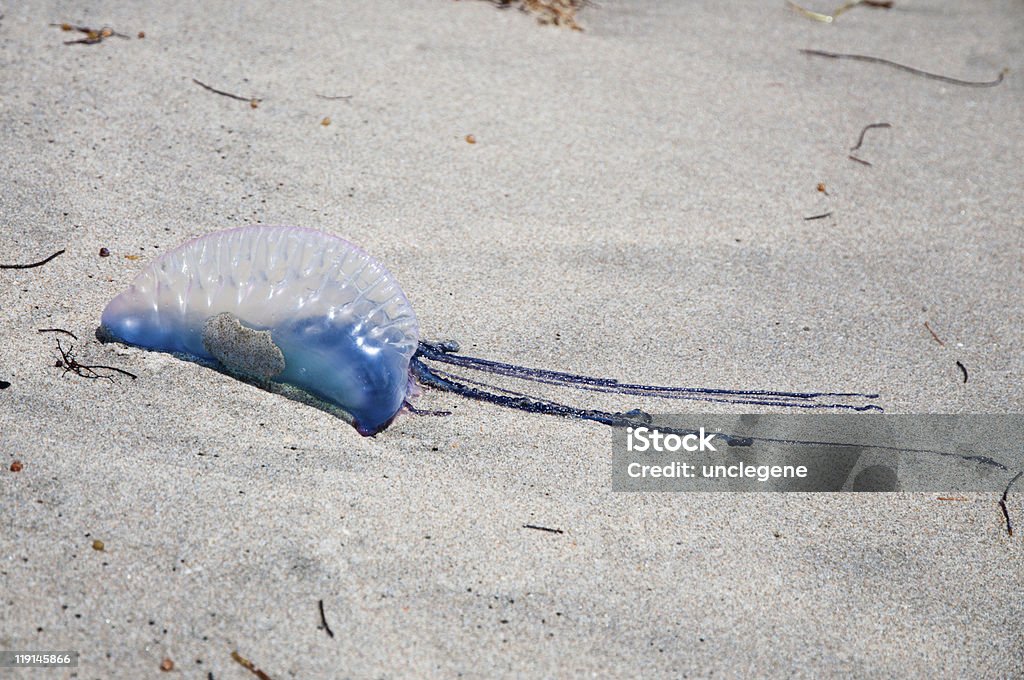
(872, 126)
(70, 364)
(908, 69)
(1002, 503)
(253, 101)
(34, 264)
(818, 217)
(56, 330)
(323, 619)
(249, 666)
(829, 18)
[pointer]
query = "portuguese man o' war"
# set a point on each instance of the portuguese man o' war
(281, 304)
(297, 307)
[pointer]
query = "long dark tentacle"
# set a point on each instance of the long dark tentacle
(633, 418)
(446, 353)
(523, 403)
(502, 397)
(683, 397)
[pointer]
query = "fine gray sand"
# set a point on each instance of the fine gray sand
(633, 206)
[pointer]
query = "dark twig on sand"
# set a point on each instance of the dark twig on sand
(818, 217)
(860, 140)
(34, 264)
(334, 99)
(253, 101)
(872, 126)
(547, 529)
(70, 364)
(323, 619)
(908, 69)
(1002, 503)
(57, 330)
(963, 369)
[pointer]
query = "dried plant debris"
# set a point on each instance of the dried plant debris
(909, 69)
(963, 369)
(553, 12)
(92, 36)
(1002, 504)
(872, 126)
(540, 528)
(249, 666)
(323, 619)
(33, 264)
(70, 364)
(254, 102)
(57, 330)
(934, 334)
(842, 9)
(818, 217)
(860, 140)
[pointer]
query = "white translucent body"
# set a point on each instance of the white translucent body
(342, 321)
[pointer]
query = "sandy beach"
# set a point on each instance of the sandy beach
(628, 201)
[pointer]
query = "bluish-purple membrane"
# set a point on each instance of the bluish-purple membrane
(344, 365)
(447, 353)
(340, 363)
(335, 316)
(131, 320)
